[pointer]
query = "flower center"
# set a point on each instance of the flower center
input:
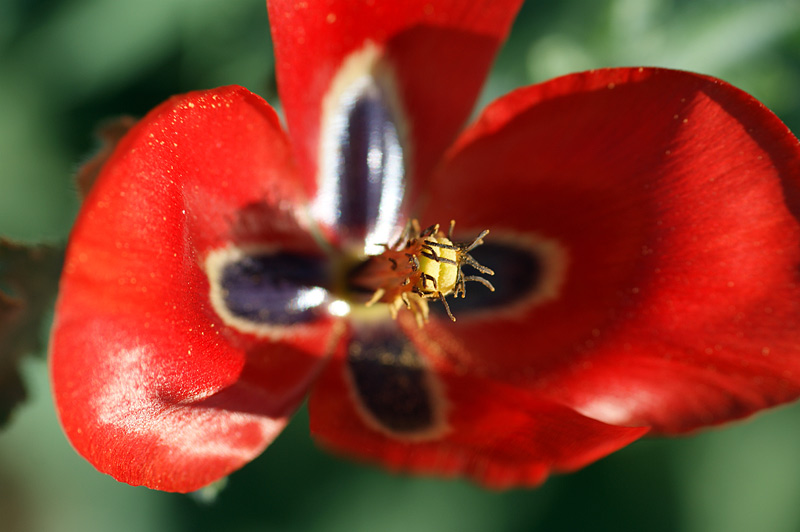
(420, 266)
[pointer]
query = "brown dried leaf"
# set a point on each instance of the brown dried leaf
(28, 283)
(109, 133)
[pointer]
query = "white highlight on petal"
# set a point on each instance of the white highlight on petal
(339, 308)
(308, 298)
(616, 410)
(392, 196)
(611, 412)
(363, 73)
(131, 400)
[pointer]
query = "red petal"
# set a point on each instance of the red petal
(439, 52)
(151, 385)
(673, 199)
(497, 435)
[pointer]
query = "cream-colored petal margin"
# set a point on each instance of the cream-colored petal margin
(215, 265)
(554, 262)
(364, 72)
(433, 387)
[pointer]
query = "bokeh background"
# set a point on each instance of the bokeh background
(67, 65)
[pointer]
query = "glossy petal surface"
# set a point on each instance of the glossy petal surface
(663, 207)
(435, 52)
(495, 434)
(152, 384)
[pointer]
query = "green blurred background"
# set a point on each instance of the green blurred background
(66, 65)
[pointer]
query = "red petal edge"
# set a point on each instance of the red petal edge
(675, 198)
(439, 52)
(497, 435)
(150, 384)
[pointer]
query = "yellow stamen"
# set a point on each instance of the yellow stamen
(420, 266)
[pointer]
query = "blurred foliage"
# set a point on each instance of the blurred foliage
(68, 65)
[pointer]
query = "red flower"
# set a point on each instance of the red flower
(644, 236)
